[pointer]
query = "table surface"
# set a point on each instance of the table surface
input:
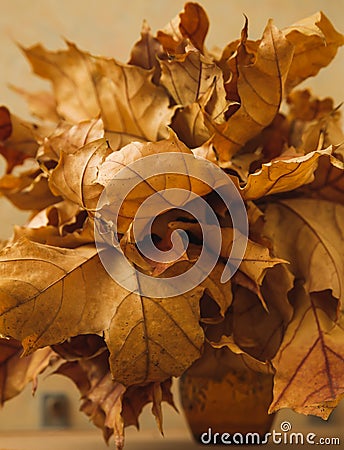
(92, 440)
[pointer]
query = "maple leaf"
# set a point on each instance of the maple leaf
(86, 87)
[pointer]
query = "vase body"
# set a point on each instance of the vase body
(237, 403)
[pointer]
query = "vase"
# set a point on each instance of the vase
(234, 406)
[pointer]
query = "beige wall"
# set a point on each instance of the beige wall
(110, 27)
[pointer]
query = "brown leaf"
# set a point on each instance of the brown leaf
(93, 379)
(17, 141)
(188, 77)
(152, 339)
(29, 190)
(258, 327)
(260, 88)
(57, 292)
(328, 181)
(146, 51)
(135, 151)
(42, 104)
(64, 224)
(17, 371)
(283, 175)
(312, 349)
(75, 176)
(308, 233)
(256, 259)
(68, 139)
(86, 87)
(315, 43)
(194, 24)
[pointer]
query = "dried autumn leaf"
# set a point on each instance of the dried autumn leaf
(17, 141)
(75, 176)
(68, 139)
(283, 175)
(312, 349)
(146, 51)
(57, 292)
(64, 224)
(42, 104)
(115, 162)
(258, 327)
(152, 339)
(315, 43)
(29, 190)
(260, 88)
(328, 181)
(191, 25)
(188, 77)
(93, 379)
(256, 259)
(308, 233)
(16, 371)
(86, 87)
(194, 24)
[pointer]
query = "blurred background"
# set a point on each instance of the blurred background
(110, 28)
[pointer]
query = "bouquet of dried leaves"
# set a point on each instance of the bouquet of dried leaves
(282, 310)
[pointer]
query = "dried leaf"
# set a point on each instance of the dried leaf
(93, 379)
(260, 88)
(42, 104)
(312, 349)
(308, 233)
(283, 175)
(17, 371)
(29, 191)
(75, 176)
(146, 51)
(194, 24)
(129, 104)
(328, 181)
(152, 339)
(315, 43)
(57, 292)
(188, 77)
(135, 151)
(17, 141)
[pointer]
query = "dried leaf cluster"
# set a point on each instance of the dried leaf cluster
(280, 313)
